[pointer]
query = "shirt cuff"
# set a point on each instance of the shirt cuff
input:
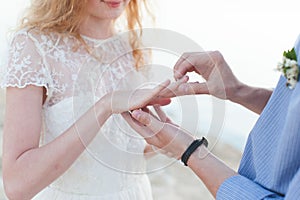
(240, 187)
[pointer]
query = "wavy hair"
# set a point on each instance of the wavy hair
(65, 16)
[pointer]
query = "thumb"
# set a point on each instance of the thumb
(148, 120)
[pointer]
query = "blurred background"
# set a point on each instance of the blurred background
(251, 35)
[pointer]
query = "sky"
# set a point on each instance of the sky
(250, 34)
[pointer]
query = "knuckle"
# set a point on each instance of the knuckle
(216, 55)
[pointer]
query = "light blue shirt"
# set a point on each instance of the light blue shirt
(270, 166)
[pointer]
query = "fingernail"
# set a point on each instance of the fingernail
(136, 114)
(187, 78)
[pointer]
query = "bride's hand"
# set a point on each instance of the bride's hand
(121, 101)
(180, 88)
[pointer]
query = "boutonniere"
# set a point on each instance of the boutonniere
(289, 68)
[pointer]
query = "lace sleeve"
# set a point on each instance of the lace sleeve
(25, 64)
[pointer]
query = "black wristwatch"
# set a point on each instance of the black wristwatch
(192, 148)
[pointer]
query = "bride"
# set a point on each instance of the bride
(69, 76)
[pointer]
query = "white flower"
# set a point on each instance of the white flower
(289, 68)
(292, 76)
(293, 62)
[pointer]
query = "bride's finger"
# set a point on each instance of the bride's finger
(160, 87)
(160, 101)
(172, 89)
(196, 88)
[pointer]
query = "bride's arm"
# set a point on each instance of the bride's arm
(28, 168)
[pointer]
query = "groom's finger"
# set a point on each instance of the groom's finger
(178, 63)
(147, 110)
(146, 119)
(183, 58)
(144, 131)
(161, 114)
(183, 66)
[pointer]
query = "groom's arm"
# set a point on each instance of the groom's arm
(252, 98)
(222, 181)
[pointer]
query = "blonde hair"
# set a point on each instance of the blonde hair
(65, 16)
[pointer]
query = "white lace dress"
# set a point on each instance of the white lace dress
(112, 167)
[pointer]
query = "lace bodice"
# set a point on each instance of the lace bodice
(64, 67)
(74, 80)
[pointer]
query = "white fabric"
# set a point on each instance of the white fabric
(112, 167)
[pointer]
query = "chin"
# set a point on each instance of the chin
(113, 15)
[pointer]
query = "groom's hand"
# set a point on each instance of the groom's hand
(220, 81)
(160, 131)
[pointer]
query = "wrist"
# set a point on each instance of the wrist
(103, 106)
(192, 148)
(184, 144)
(238, 92)
(198, 157)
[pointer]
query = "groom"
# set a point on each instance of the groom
(270, 166)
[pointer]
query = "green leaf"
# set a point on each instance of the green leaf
(290, 54)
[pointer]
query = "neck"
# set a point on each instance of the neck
(95, 28)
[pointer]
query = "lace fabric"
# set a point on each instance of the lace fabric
(74, 81)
